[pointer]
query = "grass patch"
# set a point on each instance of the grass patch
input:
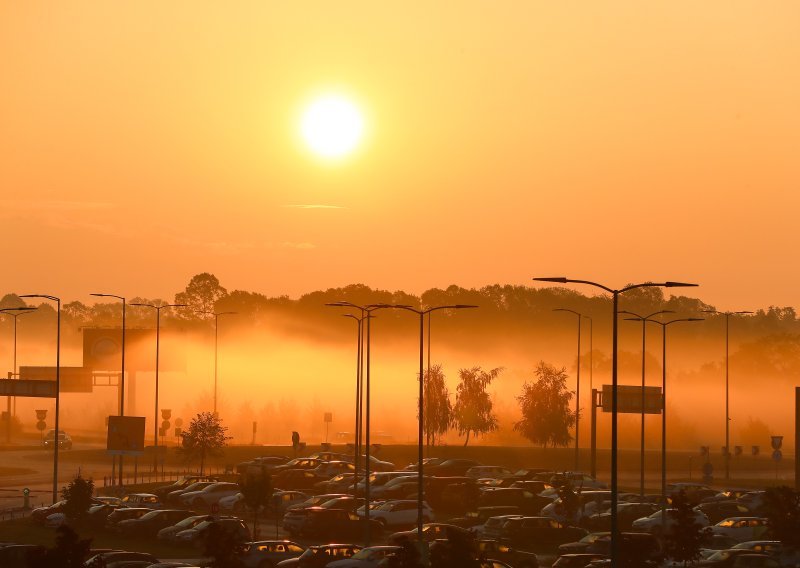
(24, 531)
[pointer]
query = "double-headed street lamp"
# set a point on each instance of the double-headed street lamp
(615, 303)
(216, 347)
(14, 313)
(158, 341)
(644, 320)
(664, 325)
(359, 364)
(366, 312)
(577, 388)
(57, 300)
(727, 399)
(421, 487)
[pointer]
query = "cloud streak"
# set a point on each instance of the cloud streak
(314, 206)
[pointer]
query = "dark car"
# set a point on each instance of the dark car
(266, 553)
(725, 558)
(483, 514)
(499, 551)
(107, 558)
(335, 524)
(297, 479)
(575, 560)
(582, 545)
(19, 555)
(528, 502)
(168, 533)
(181, 483)
(231, 525)
(297, 463)
(430, 533)
(64, 441)
(717, 511)
(643, 546)
(538, 532)
(426, 463)
(150, 523)
(124, 513)
(451, 467)
(626, 514)
(269, 462)
(320, 556)
(175, 496)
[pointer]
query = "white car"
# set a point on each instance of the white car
(653, 524)
(398, 513)
(232, 503)
(741, 529)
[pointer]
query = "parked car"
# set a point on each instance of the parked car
(727, 558)
(476, 520)
(168, 533)
(175, 496)
(104, 559)
(496, 550)
(398, 513)
(377, 479)
(181, 483)
(326, 470)
(282, 500)
(582, 545)
(123, 513)
(538, 532)
(196, 534)
(64, 440)
(269, 462)
(451, 468)
(741, 529)
(335, 525)
(210, 495)
(367, 557)
(490, 471)
(626, 514)
(580, 560)
(653, 523)
(295, 479)
(150, 523)
(320, 556)
(717, 511)
(19, 555)
(493, 527)
(527, 501)
(337, 483)
(148, 500)
(297, 463)
(267, 553)
(577, 479)
(430, 532)
(426, 462)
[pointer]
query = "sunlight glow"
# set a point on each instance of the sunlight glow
(332, 127)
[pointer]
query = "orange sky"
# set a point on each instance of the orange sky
(144, 142)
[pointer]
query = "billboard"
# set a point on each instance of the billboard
(125, 435)
(102, 350)
(629, 399)
(73, 379)
(21, 387)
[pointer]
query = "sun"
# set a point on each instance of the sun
(332, 126)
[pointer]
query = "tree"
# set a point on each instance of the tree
(201, 294)
(224, 547)
(438, 408)
(256, 486)
(472, 412)
(685, 535)
(782, 510)
(78, 498)
(546, 417)
(69, 551)
(205, 436)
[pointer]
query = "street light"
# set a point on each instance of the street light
(216, 347)
(421, 486)
(664, 325)
(615, 303)
(359, 364)
(57, 300)
(158, 341)
(644, 320)
(578, 387)
(593, 433)
(727, 399)
(9, 312)
(366, 312)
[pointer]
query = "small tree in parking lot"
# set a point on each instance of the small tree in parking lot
(224, 547)
(77, 498)
(685, 535)
(205, 436)
(256, 486)
(782, 510)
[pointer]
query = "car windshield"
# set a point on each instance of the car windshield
(189, 522)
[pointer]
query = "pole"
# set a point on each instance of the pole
(367, 449)
(727, 407)
(614, 497)
(58, 400)
(155, 412)
(578, 400)
(641, 454)
(216, 347)
(421, 426)
(122, 381)
(593, 435)
(797, 438)
(664, 426)
(358, 402)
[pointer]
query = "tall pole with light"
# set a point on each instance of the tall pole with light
(421, 422)
(644, 320)
(366, 312)
(57, 300)
(14, 313)
(577, 387)
(615, 305)
(359, 366)
(593, 433)
(216, 348)
(727, 395)
(122, 371)
(158, 342)
(664, 325)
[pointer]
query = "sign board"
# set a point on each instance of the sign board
(125, 435)
(102, 350)
(39, 389)
(328, 417)
(629, 399)
(73, 379)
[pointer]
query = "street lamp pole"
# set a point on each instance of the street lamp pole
(421, 445)
(158, 342)
(356, 439)
(578, 387)
(593, 433)
(122, 371)
(727, 397)
(644, 320)
(615, 305)
(664, 325)
(57, 300)
(216, 348)
(366, 312)
(21, 311)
